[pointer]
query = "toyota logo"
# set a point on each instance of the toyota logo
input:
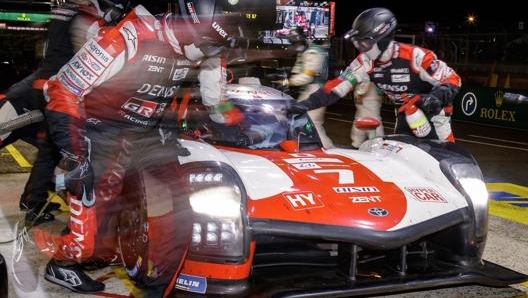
(378, 212)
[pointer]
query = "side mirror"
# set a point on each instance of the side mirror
(369, 124)
(290, 146)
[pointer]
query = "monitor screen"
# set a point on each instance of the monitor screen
(316, 18)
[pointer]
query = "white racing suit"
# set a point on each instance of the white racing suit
(310, 72)
(368, 104)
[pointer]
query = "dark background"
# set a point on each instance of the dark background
(494, 16)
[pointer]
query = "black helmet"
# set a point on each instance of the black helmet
(373, 26)
(297, 37)
(114, 10)
(212, 21)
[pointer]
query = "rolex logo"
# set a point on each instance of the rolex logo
(499, 96)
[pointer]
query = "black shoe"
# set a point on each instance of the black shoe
(72, 277)
(35, 217)
(25, 206)
(100, 264)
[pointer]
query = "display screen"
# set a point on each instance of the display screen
(316, 18)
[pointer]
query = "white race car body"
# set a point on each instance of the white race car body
(277, 216)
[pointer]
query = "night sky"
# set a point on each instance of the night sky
(452, 13)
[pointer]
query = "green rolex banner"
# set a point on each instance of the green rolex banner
(24, 17)
(486, 105)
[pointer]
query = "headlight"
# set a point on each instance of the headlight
(222, 201)
(468, 179)
(218, 202)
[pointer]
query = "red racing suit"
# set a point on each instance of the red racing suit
(106, 105)
(70, 26)
(402, 71)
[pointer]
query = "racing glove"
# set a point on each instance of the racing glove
(76, 176)
(298, 108)
(226, 113)
(169, 139)
(345, 82)
(430, 104)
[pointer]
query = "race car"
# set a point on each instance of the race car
(275, 215)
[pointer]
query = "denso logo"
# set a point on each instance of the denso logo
(219, 30)
(393, 88)
(157, 90)
(77, 229)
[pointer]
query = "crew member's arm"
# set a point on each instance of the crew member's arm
(445, 81)
(213, 84)
(99, 59)
(337, 88)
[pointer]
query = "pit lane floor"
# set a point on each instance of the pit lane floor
(501, 153)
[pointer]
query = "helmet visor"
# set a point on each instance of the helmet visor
(363, 44)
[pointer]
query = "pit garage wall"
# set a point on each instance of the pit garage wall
(485, 105)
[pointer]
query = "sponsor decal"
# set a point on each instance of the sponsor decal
(191, 283)
(426, 194)
(75, 247)
(378, 212)
(381, 28)
(192, 12)
(400, 70)
(72, 88)
(393, 88)
(303, 200)
(354, 189)
(129, 33)
(307, 166)
(90, 62)
(255, 92)
(219, 30)
(141, 107)
(312, 159)
(144, 123)
(99, 53)
(157, 90)
(392, 148)
(366, 199)
(183, 62)
(180, 74)
(400, 78)
(82, 71)
(154, 59)
(74, 79)
(155, 68)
